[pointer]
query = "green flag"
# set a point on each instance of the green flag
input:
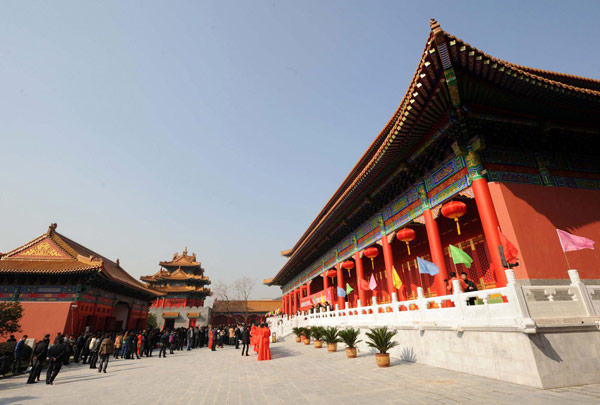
(459, 256)
(349, 289)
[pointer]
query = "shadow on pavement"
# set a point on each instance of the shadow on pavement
(280, 352)
(15, 400)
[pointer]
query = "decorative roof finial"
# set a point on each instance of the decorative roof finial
(118, 265)
(435, 26)
(51, 229)
(185, 251)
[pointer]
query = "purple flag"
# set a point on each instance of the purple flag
(571, 242)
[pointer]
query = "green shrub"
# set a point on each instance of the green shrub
(381, 339)
(332, 335)
(350, 337)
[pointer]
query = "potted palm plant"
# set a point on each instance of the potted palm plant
(298, 333)
(332, 337)
(305, 336)
(381, 339)
(350, 338)
(317, 334)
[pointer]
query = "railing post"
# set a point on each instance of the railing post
(516, 295)
(458, 301)
(586, 300)
(420, 298)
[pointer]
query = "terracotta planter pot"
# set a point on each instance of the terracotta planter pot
(332, 347)
(383, 359)
(306, 341)
(351, 352)
(318, 344)
(298, 339)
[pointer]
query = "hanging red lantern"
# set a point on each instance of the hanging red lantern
(406, 235)
(331, 273)
(348, 265)
(372, 253)
(454, 210)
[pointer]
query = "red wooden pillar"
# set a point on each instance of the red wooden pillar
(489, 222)
(359, 276)
(437, 252)
(308, 289)
(325, 282)
(388, 258)
(340, 284)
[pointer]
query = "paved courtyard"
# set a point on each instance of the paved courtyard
(297, 374)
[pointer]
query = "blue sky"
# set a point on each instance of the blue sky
(142, 127)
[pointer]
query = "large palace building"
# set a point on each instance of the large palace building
(68, 288)
(183, 282)
(479, 151)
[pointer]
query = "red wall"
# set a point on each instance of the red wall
(529, 216)
(40, 318)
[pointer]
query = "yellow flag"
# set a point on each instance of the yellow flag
(322, 299)
(396, 278)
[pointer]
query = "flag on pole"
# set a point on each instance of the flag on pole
(570, 242)
(349, 289)
(396, 278)
(322, 299)
(341, 292)
(372, 283)
(510, 251)
(315, 301)
(426, 267)
(459, 256)
(362, 284)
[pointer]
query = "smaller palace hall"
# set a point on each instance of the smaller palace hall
(183, 282)
(66, 287)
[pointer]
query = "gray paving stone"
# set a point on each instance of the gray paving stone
(297, 374)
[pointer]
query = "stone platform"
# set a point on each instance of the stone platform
(297, 374)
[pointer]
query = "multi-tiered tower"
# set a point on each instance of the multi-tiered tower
(183, 281)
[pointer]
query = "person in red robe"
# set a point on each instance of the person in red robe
(264, 352)
(210, 334)
(255, 332)
(139, 344)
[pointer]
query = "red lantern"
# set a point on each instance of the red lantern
(406, 235)
(331, 273)
(348, 265)
(372, 253)
(454, 210)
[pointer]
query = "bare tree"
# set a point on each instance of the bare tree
(243, 288)
(225, 294)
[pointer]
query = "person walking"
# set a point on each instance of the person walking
(18, 354)
(78, 347)
(40, 352)
(106, 349)
(85, 351)
(245, 340)
(56, 354)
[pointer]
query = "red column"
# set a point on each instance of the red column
(289, 303)
(308, 289)
(340, 284)
(388, 258)
(359, 276)
(437, 253)
(283, 305)
(325, 282)
(489, 222)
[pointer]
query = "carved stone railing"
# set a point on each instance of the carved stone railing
(512, 308)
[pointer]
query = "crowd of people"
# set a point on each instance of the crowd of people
(97, 348)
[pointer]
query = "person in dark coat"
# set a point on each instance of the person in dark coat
(164, 342)
(237, 335)
(40, 352)
(245, 340)
(78, 347)
(129, 345)
(85, 352)
(56, 354)
(19, 350)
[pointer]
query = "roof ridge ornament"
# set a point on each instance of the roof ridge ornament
(435, 26)
(51, 229)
